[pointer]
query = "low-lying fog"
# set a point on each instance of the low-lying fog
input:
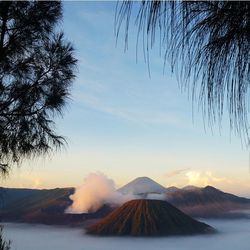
(233, 234)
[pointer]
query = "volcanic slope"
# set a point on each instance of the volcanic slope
(142, 185)
(148, 218)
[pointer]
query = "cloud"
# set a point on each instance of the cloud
(202, 179)
(30, 181)
(96, 190)
(37, 184)
(132, 114)
(176, 172)
(156, 196)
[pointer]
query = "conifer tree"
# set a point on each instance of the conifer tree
(37, 68)
(208, 46)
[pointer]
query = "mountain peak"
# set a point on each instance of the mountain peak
(172, 189)
(143, 178)
(212, 189)
(142, 185)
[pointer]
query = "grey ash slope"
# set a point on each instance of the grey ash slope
(142, 185)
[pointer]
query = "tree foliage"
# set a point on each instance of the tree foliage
(4, 245)
(37, 68)
(208, 46)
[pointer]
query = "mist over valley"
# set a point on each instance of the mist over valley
(232, 234)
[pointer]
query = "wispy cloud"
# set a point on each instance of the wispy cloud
(133, 114)
(30, 181)
(176, 172)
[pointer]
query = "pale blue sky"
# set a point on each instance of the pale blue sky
(126, 124)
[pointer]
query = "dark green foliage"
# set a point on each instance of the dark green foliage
(4, 245)
(208, 45)
(36, 72)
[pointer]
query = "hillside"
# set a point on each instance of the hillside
(45, 206)
(208, 202)
(148, 218)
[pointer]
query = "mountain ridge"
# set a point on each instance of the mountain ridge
(47, 206)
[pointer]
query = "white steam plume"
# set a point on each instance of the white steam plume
(154, 196)
(96, 191)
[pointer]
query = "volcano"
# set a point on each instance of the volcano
(142, 185)
(148, 218)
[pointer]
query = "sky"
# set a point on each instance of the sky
(125, 123)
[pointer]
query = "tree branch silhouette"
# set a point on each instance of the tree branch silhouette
(208, 46)
(37, 68)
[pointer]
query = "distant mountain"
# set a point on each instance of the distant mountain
(195, 201)
(142, 185)
(208, 202)
(148, 218)
(47, 206)
(23, 200)
(44, 206)
(172, 189)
